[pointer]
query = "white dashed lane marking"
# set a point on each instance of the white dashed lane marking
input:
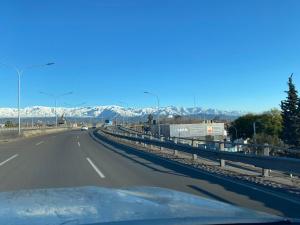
(39, 143)
(7, 160)
(95, 168)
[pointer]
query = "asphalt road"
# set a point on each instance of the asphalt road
(73, 159)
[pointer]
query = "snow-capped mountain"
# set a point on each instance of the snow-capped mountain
(112, 111)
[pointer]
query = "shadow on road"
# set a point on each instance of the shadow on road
(213, 196)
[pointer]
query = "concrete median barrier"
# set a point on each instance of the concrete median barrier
(33, 133)
(12, 134)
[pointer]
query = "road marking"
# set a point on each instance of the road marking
(95, 168)
(14, 156)
(78, 144)
(39, 143)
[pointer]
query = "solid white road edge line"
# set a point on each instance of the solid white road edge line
(95, 168)
(14, 156)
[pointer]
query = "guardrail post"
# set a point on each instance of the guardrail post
(142, 136)
(266, 152)
(151, 137)
(195, 157)
(136, 136)
(145, 145)
(125, 134)
(162, 139)
(194, 143)
(175, 140)
(221, 148)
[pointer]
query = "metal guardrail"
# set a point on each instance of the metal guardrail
(284, 164)
(229, 146)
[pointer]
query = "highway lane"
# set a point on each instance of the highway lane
(45, 162)
(74, 159)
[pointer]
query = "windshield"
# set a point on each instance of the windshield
(153, 100)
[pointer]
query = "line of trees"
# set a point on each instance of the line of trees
(274, 127)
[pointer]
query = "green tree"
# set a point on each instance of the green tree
(290, 115)
(271, 122)
(268, 127)
(263, 138)
(244, 126)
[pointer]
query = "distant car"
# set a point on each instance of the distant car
(84, 128)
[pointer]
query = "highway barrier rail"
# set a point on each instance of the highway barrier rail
(266, 162)
(38, 132)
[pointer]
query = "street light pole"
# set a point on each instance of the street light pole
(158, 107)
(19, 100)
(20, 73)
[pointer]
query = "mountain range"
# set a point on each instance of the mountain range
(111, 111)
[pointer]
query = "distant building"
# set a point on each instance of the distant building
(215, 131)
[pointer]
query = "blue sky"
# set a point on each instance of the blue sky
(229, 54)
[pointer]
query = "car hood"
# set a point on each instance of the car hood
(140, 205)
